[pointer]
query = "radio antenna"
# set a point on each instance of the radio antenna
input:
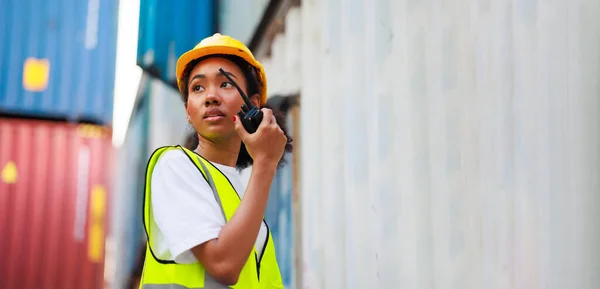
(246, 100)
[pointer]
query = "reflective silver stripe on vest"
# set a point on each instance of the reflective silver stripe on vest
(213, 187)
(209, 283)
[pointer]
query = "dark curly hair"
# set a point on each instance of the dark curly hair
(244, 160)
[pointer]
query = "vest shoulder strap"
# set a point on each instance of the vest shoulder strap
(199, 162)
(147, 211)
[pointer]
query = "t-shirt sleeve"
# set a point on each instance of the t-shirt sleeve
(184, 206)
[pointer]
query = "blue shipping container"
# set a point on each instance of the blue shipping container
(58, 58)
(167, 29)
(279, 217)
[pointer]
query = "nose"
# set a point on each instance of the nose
(212, 98)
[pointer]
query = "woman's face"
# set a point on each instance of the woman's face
(213, 100)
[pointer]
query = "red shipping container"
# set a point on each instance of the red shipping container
(55, 180)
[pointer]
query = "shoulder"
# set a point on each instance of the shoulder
(178, 186)
(174, 159)
(174, 167)
(172, 155)
(176, 182)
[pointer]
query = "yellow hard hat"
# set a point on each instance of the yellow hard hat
(223, 44)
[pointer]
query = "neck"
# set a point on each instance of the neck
(221, 152)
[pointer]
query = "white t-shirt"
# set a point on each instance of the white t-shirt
(185, 210)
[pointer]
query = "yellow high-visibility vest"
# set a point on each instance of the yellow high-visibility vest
(257, 273)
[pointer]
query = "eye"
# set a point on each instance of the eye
(226, 85)
(197, 88)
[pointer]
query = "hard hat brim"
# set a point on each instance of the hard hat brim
(196, 53)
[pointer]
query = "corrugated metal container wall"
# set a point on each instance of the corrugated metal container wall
(168, 29)
(451, 145)
(58, 59)
(279, 214)
(127, 234)
(168, 122)
(284, 74)
(55, 184)
(240, 18)
(283, 66)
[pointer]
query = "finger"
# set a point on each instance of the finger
(274, 120)
(267, 114)
(239, 128)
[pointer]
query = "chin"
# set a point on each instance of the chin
(218, 132)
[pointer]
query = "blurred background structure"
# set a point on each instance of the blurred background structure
(438, 144)
(57, 74)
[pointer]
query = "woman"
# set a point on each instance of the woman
(205, 228)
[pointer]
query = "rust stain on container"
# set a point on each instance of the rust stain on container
(53, 216)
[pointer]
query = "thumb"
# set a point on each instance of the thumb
(239, 128)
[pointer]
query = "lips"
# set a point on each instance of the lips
(213, 113)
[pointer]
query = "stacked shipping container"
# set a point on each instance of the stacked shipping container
(58, 59)
(57, 63)
(54, 189)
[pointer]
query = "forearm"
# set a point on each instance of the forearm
(238, 236)
(225, 256)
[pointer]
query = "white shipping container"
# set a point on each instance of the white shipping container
(449, 144)
(168, 120)
(126, 231)
(283, 65)
(240, 18)
(159, 120)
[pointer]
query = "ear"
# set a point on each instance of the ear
(255, 99)
(187, 114)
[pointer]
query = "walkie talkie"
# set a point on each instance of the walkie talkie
(250, 115)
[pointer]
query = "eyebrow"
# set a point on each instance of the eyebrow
(202, 76)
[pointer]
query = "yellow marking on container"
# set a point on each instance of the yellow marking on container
(10, 174)
(96, 243)
(36, 73)
(98, 203)
(96, 235)
(90, 131)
